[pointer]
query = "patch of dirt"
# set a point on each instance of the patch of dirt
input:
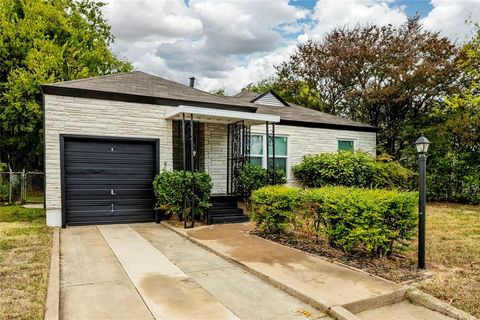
(173, 221)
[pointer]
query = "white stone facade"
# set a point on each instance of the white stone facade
(92, 117)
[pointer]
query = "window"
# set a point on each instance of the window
(258, 155)
(256, 150)
(345, 145)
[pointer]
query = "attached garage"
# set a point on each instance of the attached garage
(107, 180)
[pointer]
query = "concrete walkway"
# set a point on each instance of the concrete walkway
(347, 293)
(147, 271)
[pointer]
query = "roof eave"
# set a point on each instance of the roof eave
(323, 125)
(125, 97)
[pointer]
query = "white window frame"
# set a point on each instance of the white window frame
(264, 149)
(347, 139)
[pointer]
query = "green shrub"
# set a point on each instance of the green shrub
(351, 218)
(370, 218)
(352, 170)
(4, 184)
(273, 207)
(343, 168)
(171, 186)
(391, 175)
(252, 177)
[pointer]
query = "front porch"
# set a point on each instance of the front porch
(217, 142)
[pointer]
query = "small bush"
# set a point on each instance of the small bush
(373, 219)
(171, 186)
(352, 170)
(252, 177)
(273, 207)
(350, 218)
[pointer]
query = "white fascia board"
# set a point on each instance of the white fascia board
(219, 113)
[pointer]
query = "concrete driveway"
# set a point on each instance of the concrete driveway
(146, 271)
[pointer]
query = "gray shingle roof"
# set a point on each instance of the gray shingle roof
(296, 113)
(140, 85)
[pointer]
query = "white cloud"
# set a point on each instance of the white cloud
(449, 18)
(257, 68)
(330, 14)
(230, 43)
(151, 20)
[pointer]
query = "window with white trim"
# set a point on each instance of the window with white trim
(258, 156)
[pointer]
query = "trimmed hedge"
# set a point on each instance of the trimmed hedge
(170, 187)
(350, 218)
(352, 170)
(273, 207)
(252, 177)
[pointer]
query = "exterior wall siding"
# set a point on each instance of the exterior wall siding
(92, 117)
(269, 99)
(304, 141)
(215, 155)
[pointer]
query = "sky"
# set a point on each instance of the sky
(231, 43)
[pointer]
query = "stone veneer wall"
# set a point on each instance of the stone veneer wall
(214, 143)
(82, 116)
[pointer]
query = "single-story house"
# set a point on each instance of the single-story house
(106, 138)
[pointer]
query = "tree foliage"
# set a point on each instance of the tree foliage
(381, 75)
(44, 41)
(453, 127)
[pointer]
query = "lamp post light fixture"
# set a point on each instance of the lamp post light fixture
(422, 144)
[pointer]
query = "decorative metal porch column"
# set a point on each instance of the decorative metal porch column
(238, 153)
(188, 136)
(271, 168)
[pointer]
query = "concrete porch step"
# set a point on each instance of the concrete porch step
(225, 211)
(228, 219)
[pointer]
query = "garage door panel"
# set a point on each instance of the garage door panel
(82, 183)
(92, 170)
(99, 219)
(110, 147)
(107, 209)
(106, 193)
(101, 176)
(127, 159)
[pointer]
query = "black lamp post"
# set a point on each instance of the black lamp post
(422, 147)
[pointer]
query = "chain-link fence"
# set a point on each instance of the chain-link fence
(21, 187)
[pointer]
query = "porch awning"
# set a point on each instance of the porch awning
(210, 115)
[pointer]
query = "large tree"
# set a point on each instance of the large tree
(43, 41)
(381, 75)
(453, 127)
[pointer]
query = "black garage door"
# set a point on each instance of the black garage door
(108, 180)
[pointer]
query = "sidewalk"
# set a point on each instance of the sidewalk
(147, 271)
(344, 292)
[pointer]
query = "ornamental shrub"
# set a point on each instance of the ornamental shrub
(351, 218)
(171, 186)
(343, 168)
(373, 219)
(352, 170)
(252, 177)
(273, 207)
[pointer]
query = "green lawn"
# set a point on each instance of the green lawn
(25, 245)
(453, 255)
